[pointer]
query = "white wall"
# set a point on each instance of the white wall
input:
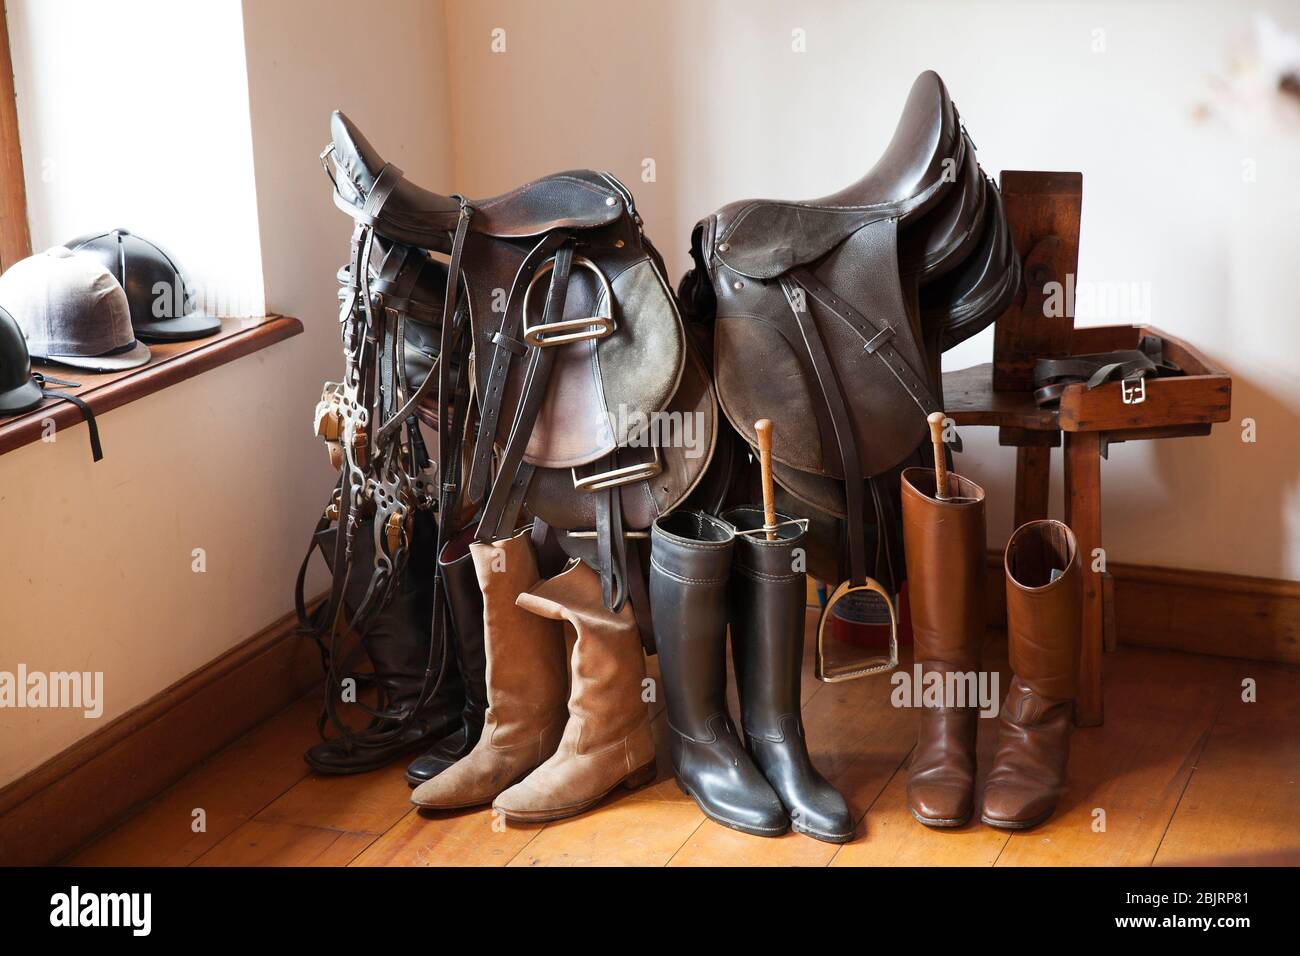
(715, 95)
(95, 559)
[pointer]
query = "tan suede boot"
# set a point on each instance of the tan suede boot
(526, 684)
(1044, 619)
(607, 741)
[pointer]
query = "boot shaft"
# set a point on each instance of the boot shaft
(398, 639)
(690, 563)
(527, 669)
(1044, 612)
(766, 598)
(607, 664)
(945, 546)
(465, 609)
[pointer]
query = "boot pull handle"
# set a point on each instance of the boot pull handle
(763, 431)
(936, 420)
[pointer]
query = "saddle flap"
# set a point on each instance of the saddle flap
(755, 328)
(603, 392)
(685, 440)
(764, 238)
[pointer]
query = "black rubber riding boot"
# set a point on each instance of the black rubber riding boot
(766, 600)
(690, 559)
(465, 602)
(398, 644)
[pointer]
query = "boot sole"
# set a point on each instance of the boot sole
(1017, 824)
(347, 770)
(824, 837)
(730, 824)
(942, 823)
(633, 781)
(341, 770)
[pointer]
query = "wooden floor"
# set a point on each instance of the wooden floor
(1184, 771)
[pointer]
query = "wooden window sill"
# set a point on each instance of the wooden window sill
(171, 363)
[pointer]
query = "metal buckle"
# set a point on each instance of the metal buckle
(617, 477)
(1133, 391)
(879, 339)
(566, 331)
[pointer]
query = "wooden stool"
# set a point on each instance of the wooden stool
(1043, 209)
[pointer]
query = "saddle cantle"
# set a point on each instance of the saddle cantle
(967, 299)
(844, 301)
(764, 238)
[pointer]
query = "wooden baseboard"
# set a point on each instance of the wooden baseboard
(1201, 612)
(1227, 615)
(100, 779)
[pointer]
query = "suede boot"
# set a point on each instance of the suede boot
(527, 684)
(607, 741)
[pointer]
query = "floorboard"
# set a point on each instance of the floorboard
(1242, 803)
(1184, 770)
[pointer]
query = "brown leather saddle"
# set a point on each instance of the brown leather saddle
(845, 303)
(577, 345)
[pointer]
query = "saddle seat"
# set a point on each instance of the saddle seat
(763, 238)
(378, 193)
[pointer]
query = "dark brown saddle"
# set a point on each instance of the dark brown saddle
(577, 343)
(830, 299)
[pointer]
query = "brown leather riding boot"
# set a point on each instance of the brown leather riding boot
(527, 683)
(1044, 607)
(607, 741)
(945, 547)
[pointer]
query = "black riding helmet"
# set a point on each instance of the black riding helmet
(19, 392)
(155, 286)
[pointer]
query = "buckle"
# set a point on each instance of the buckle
(879, 339)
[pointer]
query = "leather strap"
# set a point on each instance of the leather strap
(449, 307)
(1052, 376)
(505, 338)
(878, 338)
(385, 183)
(536, 379)
(611, 544)
(96, 449)
(640, 597)
(843, 428)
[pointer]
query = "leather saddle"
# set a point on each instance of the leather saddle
(831, 298)
(577, 343)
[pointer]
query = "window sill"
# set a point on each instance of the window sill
(171, 363)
